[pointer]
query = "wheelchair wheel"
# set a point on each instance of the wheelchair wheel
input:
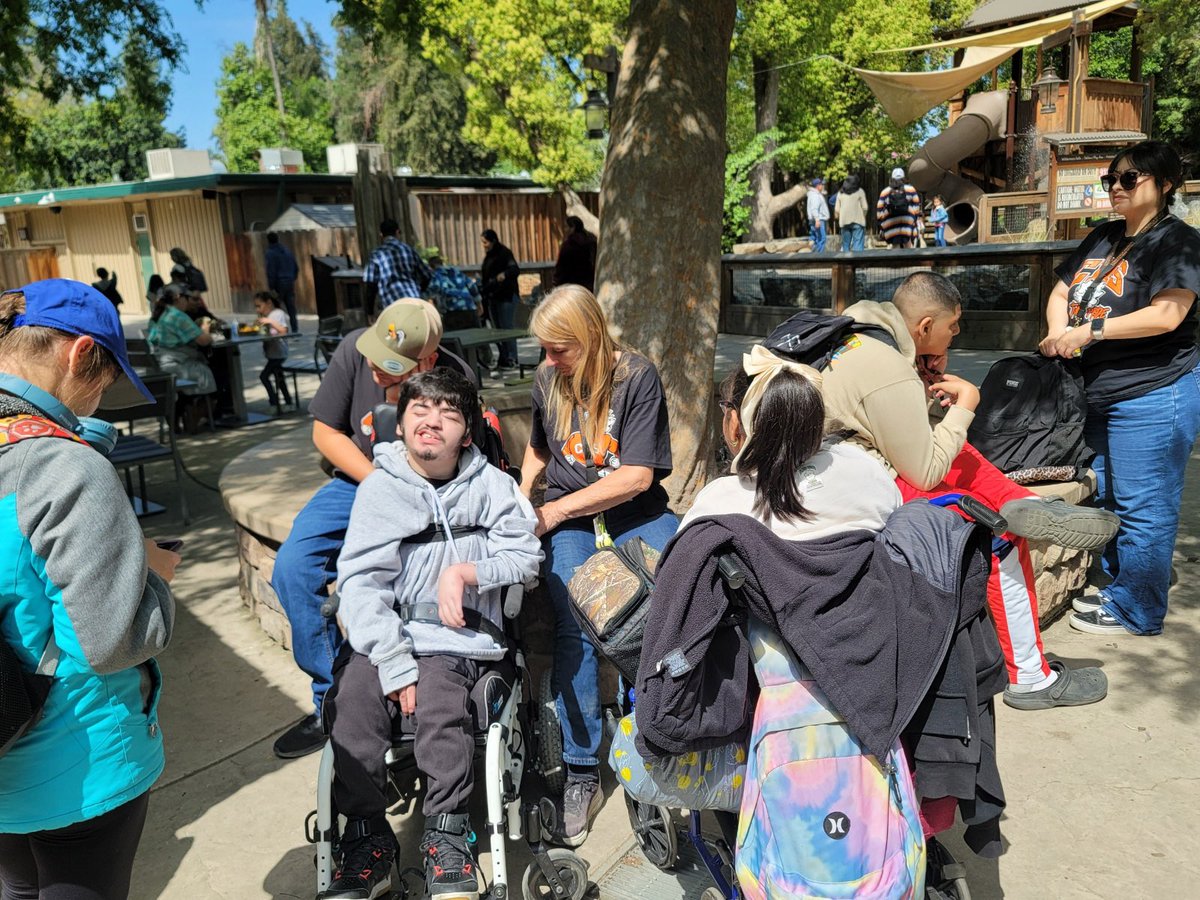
(550, 739)
(572, 871)
(712, 893)
(945, 877)
(654, 830)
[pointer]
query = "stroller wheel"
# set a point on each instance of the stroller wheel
(945, 877)
(572, 872)
(549, 735)
(654, 830)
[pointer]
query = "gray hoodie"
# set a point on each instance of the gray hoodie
(377, 569)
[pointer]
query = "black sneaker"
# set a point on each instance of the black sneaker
(450, 871)
(305, 737)
(1055, 520)
(1097, 622)
(366, 870)
(581, 803)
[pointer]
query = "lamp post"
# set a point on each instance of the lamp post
(1047, 91)
(595, 114)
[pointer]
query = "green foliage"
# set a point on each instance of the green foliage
(1172, 55)
(386, 92)
(827, 114)
(53, 50)
(76, 142)
(522, 65)
(738, 165)
(247, 115)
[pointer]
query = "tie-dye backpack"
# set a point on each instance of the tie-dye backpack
(820, 817)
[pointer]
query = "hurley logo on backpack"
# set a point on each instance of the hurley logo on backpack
(1031, 413)
(820, 817)
(812, 338)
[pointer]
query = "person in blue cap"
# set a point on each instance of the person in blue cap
(86, 614)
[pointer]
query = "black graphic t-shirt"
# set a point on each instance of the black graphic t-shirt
(1165, 258)
(636, 434)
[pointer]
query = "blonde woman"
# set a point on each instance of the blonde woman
(601, 437)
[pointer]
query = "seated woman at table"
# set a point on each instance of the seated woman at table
(175, 340)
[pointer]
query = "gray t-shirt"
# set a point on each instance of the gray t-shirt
(636, 434)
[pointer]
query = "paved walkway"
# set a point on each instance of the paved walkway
(1102, 800)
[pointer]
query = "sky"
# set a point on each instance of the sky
(210, 33)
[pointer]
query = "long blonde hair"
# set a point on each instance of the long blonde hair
(571, 315)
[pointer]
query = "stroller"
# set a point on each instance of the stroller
(654, 822)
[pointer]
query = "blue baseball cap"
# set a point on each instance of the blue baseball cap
(78, 308)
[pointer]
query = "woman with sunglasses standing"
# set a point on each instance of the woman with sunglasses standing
(1125, 305)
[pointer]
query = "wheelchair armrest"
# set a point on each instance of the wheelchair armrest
(514, 598)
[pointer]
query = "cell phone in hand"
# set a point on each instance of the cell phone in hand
(172, 544)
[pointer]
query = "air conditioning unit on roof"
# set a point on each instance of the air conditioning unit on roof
(343, 158)
(173, 162)
(280, 159)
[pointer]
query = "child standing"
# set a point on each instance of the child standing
(939, 217)
(272, 317)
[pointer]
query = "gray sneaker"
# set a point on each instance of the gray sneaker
(581, 803)
(1089, 601)
(1059, 522)
(1073, 687)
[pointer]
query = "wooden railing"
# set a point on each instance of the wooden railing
(1112, 105)
(1004, 287)
(1014, 218)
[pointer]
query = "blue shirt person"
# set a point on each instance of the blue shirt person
(394, 268)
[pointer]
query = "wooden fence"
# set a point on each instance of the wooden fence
(19, 267)
(246, 256)
(530, 223)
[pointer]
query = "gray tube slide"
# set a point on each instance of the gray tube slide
(931, 170)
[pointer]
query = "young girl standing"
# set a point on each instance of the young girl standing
(273, 318)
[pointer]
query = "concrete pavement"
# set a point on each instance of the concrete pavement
(1102, 799)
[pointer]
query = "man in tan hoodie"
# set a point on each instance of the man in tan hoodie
(883, 394)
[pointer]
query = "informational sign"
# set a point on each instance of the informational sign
(1078, 191)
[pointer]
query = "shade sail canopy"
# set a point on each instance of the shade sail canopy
(906, 96)
(1022, 35)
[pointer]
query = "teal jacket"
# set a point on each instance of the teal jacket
(72, 562)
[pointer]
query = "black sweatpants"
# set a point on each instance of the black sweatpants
(360, 718)
(90, 860)
(275, 381)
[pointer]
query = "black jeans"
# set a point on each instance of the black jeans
(360, 720)
(90, 860)
(274, 380)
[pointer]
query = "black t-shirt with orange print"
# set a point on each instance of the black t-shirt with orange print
(1164, 258)
(636, 434)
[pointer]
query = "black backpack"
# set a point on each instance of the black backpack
(810, 337)
(1031, 413)
(897, 203)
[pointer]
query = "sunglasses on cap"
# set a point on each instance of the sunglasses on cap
(1128, 179)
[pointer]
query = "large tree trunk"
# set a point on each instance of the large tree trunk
(659, 266)
(766, 117)
(268, 47)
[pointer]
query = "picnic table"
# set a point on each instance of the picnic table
(226, 363)
(472, 339)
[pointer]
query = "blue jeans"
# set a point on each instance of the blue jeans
(854, 237)
(1142, 447)
(939, 236)
(304, 566)
(504, 314)
(576, 667)
(817, 233)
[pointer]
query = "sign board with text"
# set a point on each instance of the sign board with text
(1077, 189)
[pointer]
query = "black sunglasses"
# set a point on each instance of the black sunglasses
(1128, 179)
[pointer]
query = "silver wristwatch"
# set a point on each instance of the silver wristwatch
(1097, 330)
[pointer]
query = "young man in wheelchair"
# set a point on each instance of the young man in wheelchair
(435, 534)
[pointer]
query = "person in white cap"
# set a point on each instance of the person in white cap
(897, 211)
(367, 369)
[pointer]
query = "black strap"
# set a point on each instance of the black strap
(589, 464)
(432, 534)
(427, 613)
